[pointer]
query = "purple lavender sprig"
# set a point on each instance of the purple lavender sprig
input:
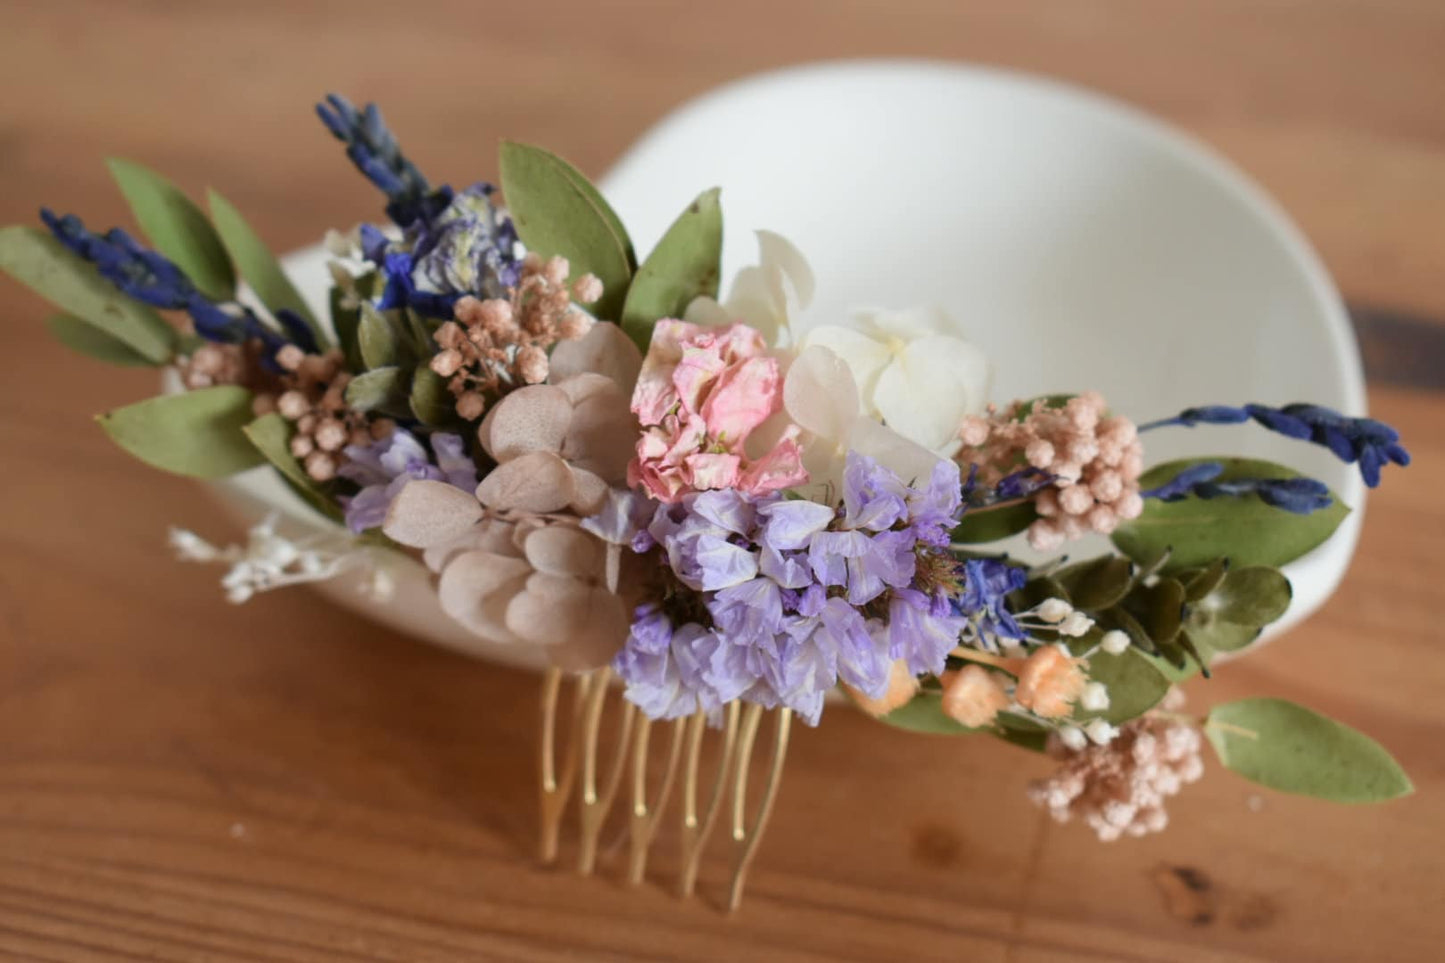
(151, 278)
(1366, 442)
(1298, 495)
(377, 155)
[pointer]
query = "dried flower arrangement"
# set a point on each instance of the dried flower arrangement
(731, 511)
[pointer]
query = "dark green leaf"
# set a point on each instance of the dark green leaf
(346, 322)
(48, 268)
(1159, 609)
(271, 434)
(991, 524)
(86, 338)
(1256, 595)
(1245, 529)
(1218, 635)
(1293, 749)
(1199, 583)
(198, 433)
(1035, 591)
(557, 211)
(1097, 584)
(177, 227)
(258, 266)
(685, 264)
(380, 389)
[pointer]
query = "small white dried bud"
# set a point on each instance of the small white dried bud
(1114, 642)
(1053, 610)
(1100, 732)
(1095, 697)
(1075, 624)
(1073, 737)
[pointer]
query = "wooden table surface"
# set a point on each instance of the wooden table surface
(181, 780)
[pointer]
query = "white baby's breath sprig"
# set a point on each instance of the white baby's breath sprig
(270, 560)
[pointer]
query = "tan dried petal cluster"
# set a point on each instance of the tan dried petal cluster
(500, 344)
(560, 446)
(1095, 457)
(528, 579)
(1119, 789)
(312, 395)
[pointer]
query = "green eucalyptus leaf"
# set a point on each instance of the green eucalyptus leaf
(377, 338)
(40, 262)
(1200, 582)
(258, 266)
(924, 713)
(1220, 636)
(557, 211)
(685, 264)
(177, 227)
(198, 433)
(991, 524)
(1036, 590)
(1243, 529)
(380, 389)
(1256, 595)
(84, 337)
(1098, 583)
(431, 401)
(271, 435)
(1135, 685)
(1293, 749)
(1119, 618)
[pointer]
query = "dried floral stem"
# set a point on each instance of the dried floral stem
(645, 817)
(595, 804)
(747, 838)
(987, 658)
(695, 830)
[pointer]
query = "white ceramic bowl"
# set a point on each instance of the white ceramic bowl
(1081, 243)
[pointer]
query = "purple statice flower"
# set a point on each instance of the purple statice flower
(383, 468)
(775, 601)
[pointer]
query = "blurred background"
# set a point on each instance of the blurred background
(182, 780)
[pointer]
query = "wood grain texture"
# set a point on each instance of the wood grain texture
(180, 780)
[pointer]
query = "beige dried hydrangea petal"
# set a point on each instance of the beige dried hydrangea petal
(489, 535)
(581, 626)
(605, 350)
(602, 435)
(428, 513)
(533, 418)
(538, 481)
(589, 493)
(476, 589)
(564, 550)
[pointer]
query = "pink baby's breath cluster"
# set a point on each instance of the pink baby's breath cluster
(499, 344)
(1095, 459)
(311, 394)
(1119, 789)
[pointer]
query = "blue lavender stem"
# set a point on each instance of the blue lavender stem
(1300, 496)
(1366, 442)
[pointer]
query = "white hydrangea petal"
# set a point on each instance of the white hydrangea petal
(928, 389)
(788, 271)
(865, 357)
(908, 324)
(819, 393)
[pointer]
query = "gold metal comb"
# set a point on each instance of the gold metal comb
(681, 747)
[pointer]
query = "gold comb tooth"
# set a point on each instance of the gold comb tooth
(557, 787)
(595, 805)
(695, 830)
(747, 838)
(645, 819)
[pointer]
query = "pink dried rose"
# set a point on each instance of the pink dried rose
(701, 394)
(525, 580)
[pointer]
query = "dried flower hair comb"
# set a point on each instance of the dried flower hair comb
(729, 512)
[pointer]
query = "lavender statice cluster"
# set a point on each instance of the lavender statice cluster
(775, 600)
(384, 467)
